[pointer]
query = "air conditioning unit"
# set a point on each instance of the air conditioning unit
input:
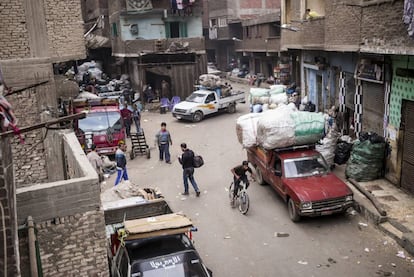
(133, 29)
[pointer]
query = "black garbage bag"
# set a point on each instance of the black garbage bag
(366, 162)
(342, 152)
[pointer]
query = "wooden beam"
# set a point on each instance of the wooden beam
(45, 124)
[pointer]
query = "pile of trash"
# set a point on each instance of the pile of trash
(214, 82)
(281, 127)
(367, 158)
(126, 189)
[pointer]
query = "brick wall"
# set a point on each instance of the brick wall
(383, 30)
(29, 158)
(8, 207)
(69, 246)
(342, 25)
(65, 29)
(14, 41)
(70, 225)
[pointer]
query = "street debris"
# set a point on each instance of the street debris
(302, 262)
(281, 234)
(265, 244)
(401, 254)
(227, 237)
(352, 212)
(366, 249)
(332, 261)
(393, 265)
(363, 224)
(385, 273)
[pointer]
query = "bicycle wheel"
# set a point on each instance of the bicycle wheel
(244, 202)
(231, 198)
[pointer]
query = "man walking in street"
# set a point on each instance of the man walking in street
(186, 160)
(96, 161)
(163, 139)
(120, 159)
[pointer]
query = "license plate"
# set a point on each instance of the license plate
(326, 213)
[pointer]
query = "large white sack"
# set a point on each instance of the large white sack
(327, 146)
(256, 93)
(275, 128)
(246, 129)
(276, 89)
(278, 99)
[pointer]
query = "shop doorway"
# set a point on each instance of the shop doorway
(155, 81)
(407, 126)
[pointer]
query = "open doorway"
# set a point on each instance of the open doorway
(155, 81)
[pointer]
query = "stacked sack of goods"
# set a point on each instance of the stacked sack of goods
(280, 127)
(214, 82)
(262, 99)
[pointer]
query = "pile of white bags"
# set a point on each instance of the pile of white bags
(282, 127)
(262, 99)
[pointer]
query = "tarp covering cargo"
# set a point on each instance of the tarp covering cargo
(309, 127)
(367, 161)
(246, 129)
(281, 127)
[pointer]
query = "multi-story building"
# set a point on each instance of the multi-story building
(245, 33)
(159, 40)
(38, 178)
(356, 54)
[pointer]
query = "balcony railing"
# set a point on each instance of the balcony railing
(271, 44)
(133, 48)
(309, 34)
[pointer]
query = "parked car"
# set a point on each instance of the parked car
(172, 255)
(300, 175)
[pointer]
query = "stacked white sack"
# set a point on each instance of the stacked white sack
(246, 129)
(275, 128)
(327, 146)
(256, 94)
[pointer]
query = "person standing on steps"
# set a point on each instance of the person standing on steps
(163, 139)
(186, 160)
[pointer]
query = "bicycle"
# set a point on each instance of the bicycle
(241, 197)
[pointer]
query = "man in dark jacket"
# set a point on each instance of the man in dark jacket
(239, 175)
(120, 159)
(186, 160)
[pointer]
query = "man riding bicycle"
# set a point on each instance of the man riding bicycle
(239, 173)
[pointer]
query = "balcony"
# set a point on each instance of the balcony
(133, 48)
(309, 34)
(271, 44)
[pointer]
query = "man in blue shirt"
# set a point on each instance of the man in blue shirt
(120, 159)
(163, 139)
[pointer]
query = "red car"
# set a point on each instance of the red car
(102, 126)
(301, 176)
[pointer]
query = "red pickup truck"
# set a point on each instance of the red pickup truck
(302, 178)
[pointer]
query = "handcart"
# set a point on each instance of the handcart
(139, 145)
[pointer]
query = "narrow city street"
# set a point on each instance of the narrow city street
(232, 244)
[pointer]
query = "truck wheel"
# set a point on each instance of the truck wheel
(293, 212)
(231, 108)
(259, 176)
(198, 116)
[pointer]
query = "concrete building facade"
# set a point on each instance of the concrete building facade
(156, 42)
(359, 51)
(46, 177)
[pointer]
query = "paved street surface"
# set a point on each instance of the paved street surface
(232, 244)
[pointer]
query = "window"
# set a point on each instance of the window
(222, 22)
(176, 29)
(210, 98)
(114, 29)
(213, 22)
